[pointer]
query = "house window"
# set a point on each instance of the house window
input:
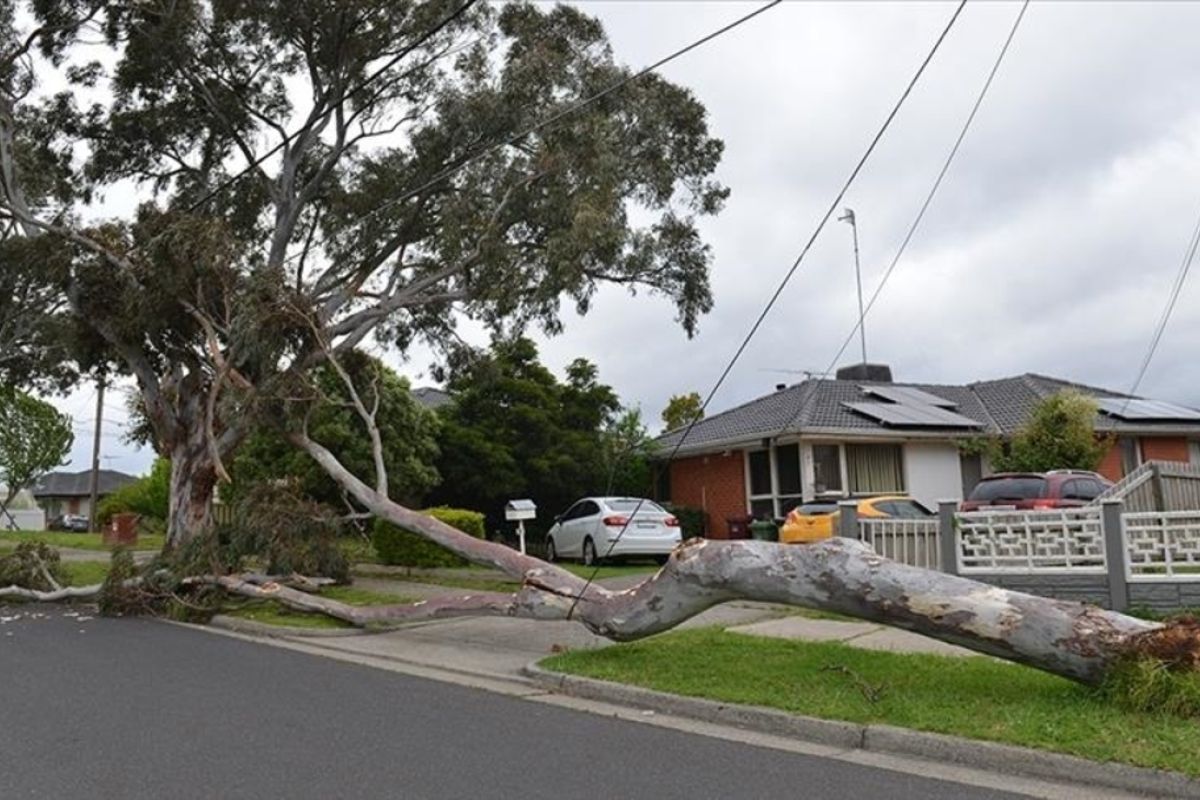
(787, 476)
(760, 473)
(874, 468)
(827, 468)
(774, 481)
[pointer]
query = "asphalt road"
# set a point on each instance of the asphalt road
(139, 709)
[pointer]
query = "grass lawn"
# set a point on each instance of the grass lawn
(84, 573)
(975, 697)
(270, 613)
(77, 541)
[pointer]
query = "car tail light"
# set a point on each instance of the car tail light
(671, 522)
(616, 522)
(1044, 504)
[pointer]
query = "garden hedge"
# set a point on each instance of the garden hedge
(399, 547)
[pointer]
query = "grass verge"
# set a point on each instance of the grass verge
(75, 541)
(84, 573)
(978, 698)
(271, 613)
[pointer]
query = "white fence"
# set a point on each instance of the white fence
(33, 519)
(909, 541)
(1162, 546)
(1031, 542)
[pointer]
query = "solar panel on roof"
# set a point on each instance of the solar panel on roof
(908, 396)
(913, 416)
(1146, 409)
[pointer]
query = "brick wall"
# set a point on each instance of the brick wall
(715, 483)
(1164, 448)
(1154, 448)
(1110, 465)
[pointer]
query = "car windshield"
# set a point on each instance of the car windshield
(626, 505)
(909, 509)
(815, 509)
(1022, 488)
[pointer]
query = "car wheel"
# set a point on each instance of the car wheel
(590, 559)
(551, 553)
(660, 560)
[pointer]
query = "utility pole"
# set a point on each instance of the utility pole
(95, 478)
(848, 216)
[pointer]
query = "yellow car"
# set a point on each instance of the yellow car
(813, 522)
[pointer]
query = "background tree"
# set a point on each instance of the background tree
(34, 439)
(682, 409)
(515, 431)
(408, 429)
(625, 450)
(396, 180)
(1060, 434)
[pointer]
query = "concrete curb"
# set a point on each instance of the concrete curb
(252, 628)
(887, 739)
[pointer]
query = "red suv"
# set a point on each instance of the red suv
(1060, 488)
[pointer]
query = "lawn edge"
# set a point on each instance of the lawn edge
(892, 740)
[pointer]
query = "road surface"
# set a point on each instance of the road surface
(108, 708)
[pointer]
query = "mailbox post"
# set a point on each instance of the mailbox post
(519, 511)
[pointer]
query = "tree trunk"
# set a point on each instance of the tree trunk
(193, 481)
(1074, 640)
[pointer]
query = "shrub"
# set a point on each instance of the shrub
(148, 496)
(399, 547)
(691, 520)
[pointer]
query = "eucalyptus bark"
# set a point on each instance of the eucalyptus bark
(193, 483)
(1075, 640)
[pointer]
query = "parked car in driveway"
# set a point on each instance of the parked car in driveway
(1031, 491)
(813, 522)
(612, 527)
(70, 522)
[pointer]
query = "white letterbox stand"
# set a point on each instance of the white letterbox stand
(520, 510)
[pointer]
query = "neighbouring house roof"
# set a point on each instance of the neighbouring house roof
(821, 407)
(430, 397)
(78, 484)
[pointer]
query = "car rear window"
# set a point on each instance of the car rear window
(1024, 488)
(628, 504)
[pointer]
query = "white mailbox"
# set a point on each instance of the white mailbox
(520, 510)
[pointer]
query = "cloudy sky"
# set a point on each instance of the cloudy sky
(1050, 248)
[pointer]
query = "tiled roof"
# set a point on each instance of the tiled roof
(430, 397)
(78, 484)
(999, 406)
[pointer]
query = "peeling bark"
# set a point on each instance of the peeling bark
(193, 482)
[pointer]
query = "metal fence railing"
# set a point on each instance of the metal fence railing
(909, 541)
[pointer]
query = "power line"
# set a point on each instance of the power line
(786, 278)
(916, 223)
(488, 149)
(1180, 279)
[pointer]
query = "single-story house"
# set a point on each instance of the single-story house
(862, 434)
(61, 493)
